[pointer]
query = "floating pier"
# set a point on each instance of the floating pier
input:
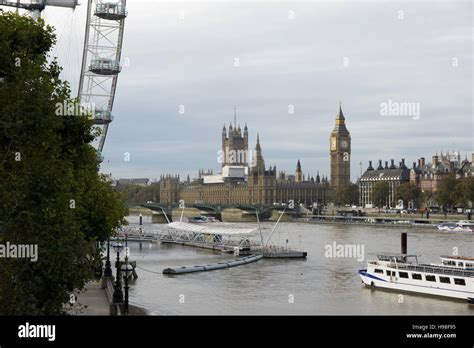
(290, 254)
(200, 245)
(213, 266)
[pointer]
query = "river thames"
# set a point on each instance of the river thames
(319, 285)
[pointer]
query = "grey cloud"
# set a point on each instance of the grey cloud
(284, 62)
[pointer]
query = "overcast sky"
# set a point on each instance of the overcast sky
(363, 53)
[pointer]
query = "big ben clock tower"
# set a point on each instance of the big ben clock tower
(340, 150)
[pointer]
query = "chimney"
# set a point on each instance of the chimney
(380, 165)
(370, 166)
(419, 163)
(435, 160)
(402, 163)
(422, 161)
(414, 165)
(472, 159)
(386, 165)
(392, 166)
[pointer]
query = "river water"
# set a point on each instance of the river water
(319, 285)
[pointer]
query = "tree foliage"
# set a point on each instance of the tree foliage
(51, 193)
(380, 193)
(465, 188)
(452, 192)
(139, 194)
(408, 193)
(447, 195)
(348, 194)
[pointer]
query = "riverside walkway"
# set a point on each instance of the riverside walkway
(95, 301)
(92, 301)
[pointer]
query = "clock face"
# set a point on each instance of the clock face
(333, 143)
(344, 144)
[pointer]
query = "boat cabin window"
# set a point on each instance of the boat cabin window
(449, 263)
(416, 276)
(391, 273)
(403, 274)
(410, 259)
(459, 281)
(378, 270)
(460, 264)
(430, 278)
(469, 265)
(383, 258)
(398, 259)
(445, 280)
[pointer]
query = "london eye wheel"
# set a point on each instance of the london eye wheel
(89, 48)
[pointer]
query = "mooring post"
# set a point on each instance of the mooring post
(404, 242)
(141, 219)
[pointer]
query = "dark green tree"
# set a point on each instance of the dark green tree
(465, 190)
(380, 193)
(408, 193)
(447, 194)
(51, 193)
(139, 194)
(348, 194)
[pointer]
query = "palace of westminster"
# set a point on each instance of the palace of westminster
(243, 181)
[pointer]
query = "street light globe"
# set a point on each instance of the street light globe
(117, 247)
(126, 269)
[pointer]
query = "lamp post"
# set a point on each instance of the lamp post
(108, 270)
(98, 270)
(125, 309)
(118, 295)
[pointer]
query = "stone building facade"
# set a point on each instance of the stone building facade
(235, 146)
(340, 152)
(254, 183)
(393, 175)
(428, 176)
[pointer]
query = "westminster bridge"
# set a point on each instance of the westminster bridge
(164, 212)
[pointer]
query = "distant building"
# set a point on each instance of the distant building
(466, 169)
(393, 175)
(244, 179)
(340, 152)
(235, 146)
(428, 176)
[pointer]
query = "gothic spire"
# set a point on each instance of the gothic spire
(235, 117)
(298, 166)
(340, 115)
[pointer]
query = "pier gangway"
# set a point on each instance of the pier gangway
(221, 236)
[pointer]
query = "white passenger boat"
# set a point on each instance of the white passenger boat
(202, 218)
(466, 224)
(461, 226)
(454, 277)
